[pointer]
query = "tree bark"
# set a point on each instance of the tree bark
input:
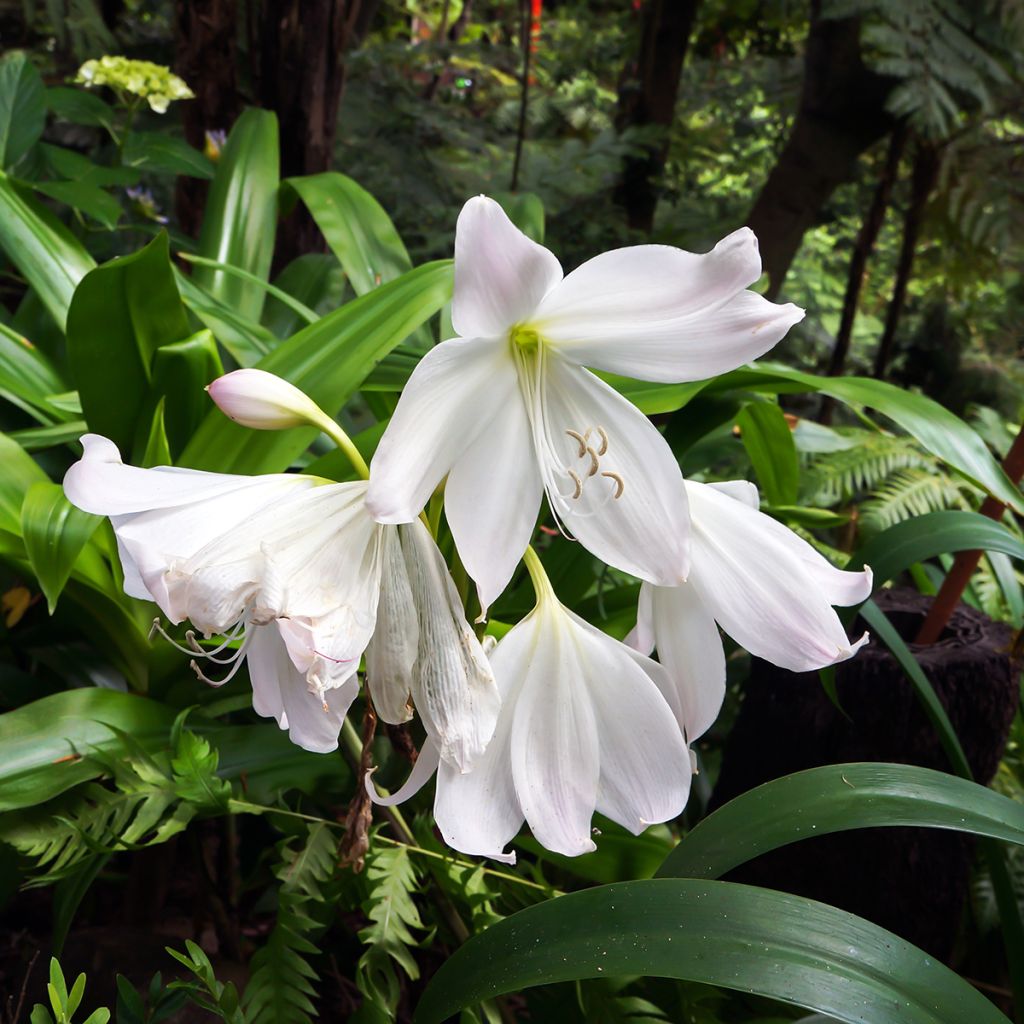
(302, 69)
(205, 57)
(922, 181)
(647, 98)
(863, 248)
(840, 115)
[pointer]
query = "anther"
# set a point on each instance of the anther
(577, 481)
(594, 463)
(581, 440)
(620, 484)
(604, 441)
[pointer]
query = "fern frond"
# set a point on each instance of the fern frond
(281, 986)
(910, 492)
(838, 476)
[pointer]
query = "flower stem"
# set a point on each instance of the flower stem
(346, 444)
(538, 577)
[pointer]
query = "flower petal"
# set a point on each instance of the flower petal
(422, 772)
(632, 512)
(554, 742)
(280, 691)
(659, 313)
(453, 686)
(479, 812)
(750, 573)
(492, 498)
(391, 654)
(645, 763)
(449, 401)
(500, 273)
(690, 649)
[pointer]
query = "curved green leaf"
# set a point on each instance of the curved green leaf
(22, 107)
(18, 472)
(165, 154)
(121, 314)
(327, 360)
(896, 549)
(836, 798)
(240, 220)
(27, 377)
(54, 532)
(51, 259)
(734, 936)
(769, 444)
(939, 431)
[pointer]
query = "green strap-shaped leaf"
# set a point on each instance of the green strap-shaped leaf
(54, 532)
(27, 377)
(939, 431)
(18, 473)
(22, 107)
(836, 798)
(734, 936)
(121, 314)
(896, 549)
(240, 220)
(769, 444)
(181, 372)
(49, 257)
(165, 154)
(328, 361)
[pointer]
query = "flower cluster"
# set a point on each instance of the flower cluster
(156, 84)
(305, 579)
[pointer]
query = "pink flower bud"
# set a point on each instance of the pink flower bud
(263, 401)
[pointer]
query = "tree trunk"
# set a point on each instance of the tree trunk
(647, 98)
(922, 181)
(863, 248)
(841, 114)
(205, 57)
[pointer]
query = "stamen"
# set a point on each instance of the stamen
(580, 439)
(604, 441)
(193, 647)
(577, 481)
(620, 484)
(594, 462)
(238, 662)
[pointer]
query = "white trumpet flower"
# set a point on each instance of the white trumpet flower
(508, 411)
(765, 586)
(290, 569)
(586, 724)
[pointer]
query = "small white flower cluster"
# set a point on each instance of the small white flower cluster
(306, 577)
(156, 84)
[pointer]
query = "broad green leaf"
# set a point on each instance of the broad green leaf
(18, 473)
(247, 341)
(939, 431)
(54, 532)
(22, 107)
(240, 220)
(158, 449)
(181, 372)
(34, 439)
(85, 198)
(836, 798)
(328, 360)
(27, 377)
(718, 933)
(121, 314)
(66, 163)
(49, 257)
(894, 550)
(357, 228)
(769, 443)
(79, 107)
(316, 280)
(165, 154)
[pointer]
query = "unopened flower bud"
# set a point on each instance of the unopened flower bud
(263, 401)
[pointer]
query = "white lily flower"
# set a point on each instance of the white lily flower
(508, 411)
(292, 567)
(764, 585)
(263, 401)
(586, 725)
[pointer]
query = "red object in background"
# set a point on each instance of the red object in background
(536, 6)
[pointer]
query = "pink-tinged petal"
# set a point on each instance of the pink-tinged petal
(282, 693)
(645, 764)
(623, 498)
(492, 498)
(690, 649)
(554, 745)
(450, 400)
(752, 574)
(500, 274)
(659, 313)
(262, 401)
